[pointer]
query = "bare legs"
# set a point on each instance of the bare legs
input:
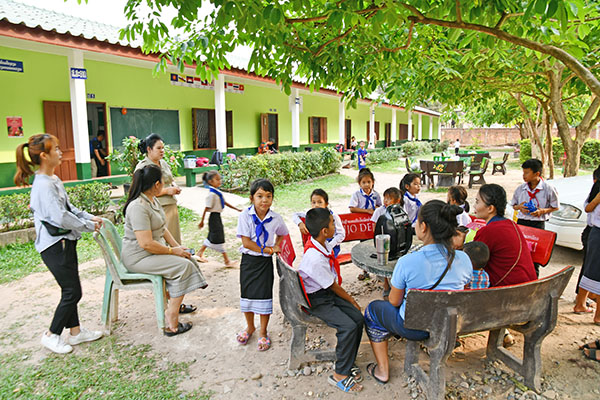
(380, 350)
(172, 313)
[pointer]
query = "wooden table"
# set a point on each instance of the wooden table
(361, 257)
(447, 171)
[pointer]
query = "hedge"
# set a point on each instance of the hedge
(385, 155)
(590, 152)
(416, 148)
(282, 168)
(16, 214)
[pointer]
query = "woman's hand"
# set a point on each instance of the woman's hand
(180, 251)
(172, 191)
(98, 222)
(303, 229)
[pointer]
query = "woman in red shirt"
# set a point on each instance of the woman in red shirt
(510, 259)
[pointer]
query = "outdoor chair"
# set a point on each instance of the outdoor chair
(476, 175)
(415, 169)
(500, 166)
(118, 278)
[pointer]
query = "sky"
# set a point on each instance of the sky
(105, 11)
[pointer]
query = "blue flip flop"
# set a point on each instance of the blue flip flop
(345, 385)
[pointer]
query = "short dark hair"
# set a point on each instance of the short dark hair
(100, 133)
(478, 252)
(209, 175)
(393, 193)
(407, 180)
(321, 193)
(149, 141)
(533, 164)
(316, 220)
(494, 195)
(459, 195)
(365, 173)
(440, 217)
(143, 179)
(263, 184)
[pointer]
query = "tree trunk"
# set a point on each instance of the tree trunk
(522, 131)
(537, 150)
(549, 155)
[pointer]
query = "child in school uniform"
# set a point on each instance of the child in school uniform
(261, 230)
(320, 199)
(215, 203)
(391, 196)
(361, 155)
(542, 196)
(479, 254)
(410, 186)
(329, 301)
(457, 195)
(365, 200)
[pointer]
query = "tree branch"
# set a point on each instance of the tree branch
(458, 15)
(504, 17)
(325, 16)
(408, 40)
(335, 39)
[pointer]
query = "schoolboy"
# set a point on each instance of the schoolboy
(329, 301)
(537, 192)
(361, 155)
(479, 254)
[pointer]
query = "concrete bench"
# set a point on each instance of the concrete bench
(190, 173)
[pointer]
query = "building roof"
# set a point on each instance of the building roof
(51, 21)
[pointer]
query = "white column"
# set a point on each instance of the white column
(295, 119)
(342, 122)
(79, 110)
(220, 128)
(430, 127)
(393, 127)
(439, 129)
(410, 125)
(371, 138)
(420, 127)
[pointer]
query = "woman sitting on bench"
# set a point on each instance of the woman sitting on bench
(435, 266)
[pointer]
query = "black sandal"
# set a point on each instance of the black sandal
(371, 370)
(593, 354)
(181, 328)
(186, 309)
(587, 345)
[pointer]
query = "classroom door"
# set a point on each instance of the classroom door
(388, 134)
(58, 122)
(204, 126)
(348, 133)
(403, 132)
(376, 131)
(269, 128)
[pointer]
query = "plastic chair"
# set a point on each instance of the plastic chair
(118, 278)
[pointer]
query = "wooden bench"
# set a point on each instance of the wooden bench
(500, 166)
(294, 304)
(451, 170)
(530, 308)
(476, 175)
(190, 174)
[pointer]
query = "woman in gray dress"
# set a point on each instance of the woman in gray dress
(154, 149)
(149, 247)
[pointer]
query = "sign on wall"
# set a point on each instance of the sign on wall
(10, 65)
(195, 82)
(78, 73)
(15, 126)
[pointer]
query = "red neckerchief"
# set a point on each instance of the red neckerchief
(532, 194)
(333, 262)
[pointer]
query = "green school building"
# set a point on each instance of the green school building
(72, 78)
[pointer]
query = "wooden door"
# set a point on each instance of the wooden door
(269, 127)
(376, 131)
(204, 127)
(264, 127)
(348, 133)
(58, 122)
(388, 134)
(317, 127)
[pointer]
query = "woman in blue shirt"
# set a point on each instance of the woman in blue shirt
(436, 265)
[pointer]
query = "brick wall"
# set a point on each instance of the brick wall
(490, 136)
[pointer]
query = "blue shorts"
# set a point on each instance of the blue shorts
(383, 320)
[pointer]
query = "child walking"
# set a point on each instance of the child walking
(320, 199)
(361, 155)
(261, 230)
(329, 301)
(457, 195)
(215, 203)
(410, 186)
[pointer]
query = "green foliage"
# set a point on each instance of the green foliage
(14, 212)
(100, 370)
(92, 197)
(280, 168)
(438, 147)
(415, 148)
(128, 155)
(590, 152)
(525, 152)
(385, 155)
(175, 160)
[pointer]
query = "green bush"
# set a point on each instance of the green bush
(385, 155)
(16, 214)
(590, 152)
(282, 168)
(525, 152)
(438, 147)
(415, 148)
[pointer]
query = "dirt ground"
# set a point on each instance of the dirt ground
(234, 371)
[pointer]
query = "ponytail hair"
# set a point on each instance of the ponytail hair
(459, 195)
(143, 179)
(149, 141)
(209, 175)
(440, 218)
(407, 180)
(36, 145)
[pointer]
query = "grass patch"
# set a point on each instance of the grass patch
(101, 370)
(296, 196)
(390, 166)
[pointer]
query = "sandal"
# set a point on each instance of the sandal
(371, 370)
(592, 354)
(589, 345)
(201, 259)
(264, 343)
(242, 337)
(345, 385)
(363, 276)
(186, 309)
(587, 311)
(355, 373)
(181, 328)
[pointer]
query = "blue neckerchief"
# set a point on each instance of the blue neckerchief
(414, 200)
(215, 191)
(496, 218)
(369, 201)
(260, 230)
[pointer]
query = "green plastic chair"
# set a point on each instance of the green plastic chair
(118, 278)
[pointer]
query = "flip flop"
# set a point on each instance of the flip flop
(201, 259)
(371, 370)
(345, 385)
(186, 309)
(181, 328)
(264, 343)
(587, 345)
(242, 337)
(587, 311)
(355, 373)
(593, 354)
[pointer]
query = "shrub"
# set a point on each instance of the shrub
(385, 155)
(92, 197)
(525, 152)
(438, 147)
(415, 148)
(15, 212)
(590, 152)
(128, 155)
(279, 168)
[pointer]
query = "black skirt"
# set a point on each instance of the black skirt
(591, 269)
(216, 233)
(256, 277)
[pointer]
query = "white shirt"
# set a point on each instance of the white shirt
(315, 270)
(378, 213)
(411, 208)
(457, 145)
(246, 227)
(547, 197)
(593, 218)
(213, 202)
(358, 200)
(340, 232)
(463, 219)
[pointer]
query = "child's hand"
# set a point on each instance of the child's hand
(369, 211)
(303, 229)
(521, 207)
(537, 213)
(201, 225)
(276, 249)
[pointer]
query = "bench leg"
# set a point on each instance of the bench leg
(158, 287)
(108, 287)
(114, 305)
(297, 347)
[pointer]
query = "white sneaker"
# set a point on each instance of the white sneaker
(84, 336)
(55, 343)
